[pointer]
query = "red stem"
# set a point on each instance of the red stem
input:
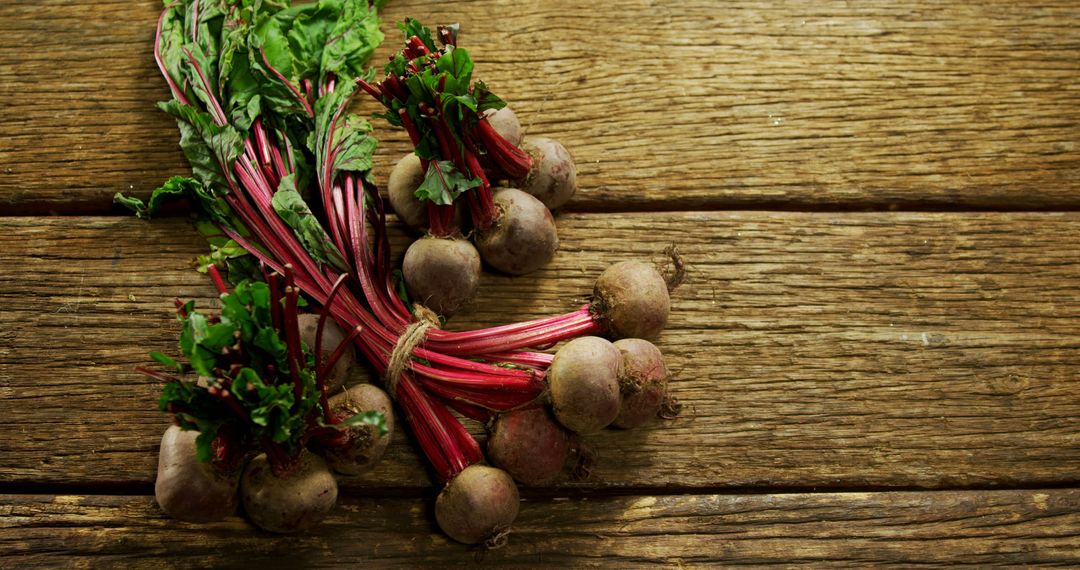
(292, 333)
(340, 351)
(156, 374)
(468, 410)
(489, 214)
(396, 88)
(323, 313)
(216, 278)
(440, 219)
(537, 360)
(367, 87)
(233, 404)
(515, 162)
(180, 307)
(274, 280)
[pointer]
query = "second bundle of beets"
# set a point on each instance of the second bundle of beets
(465, 141)
(283, 191)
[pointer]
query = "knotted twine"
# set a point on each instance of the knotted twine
(410, 338)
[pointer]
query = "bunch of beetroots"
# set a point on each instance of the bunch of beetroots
(465, 140)
(257, 425)
(260, 93)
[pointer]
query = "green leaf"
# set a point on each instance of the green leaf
(411, 27)
(397, 65)
(204, 443)
(224, 252)
(211, 149)
(174, 188)
(485, 99)
(356, 148)
(443, 184)
(312, 42)
(167, 362)
(196, 409)
(200, 327)
(202, 50)
(134, 204)
(290, 206)
(239, 84)
(370, 418)
(351, 41)
(467, 101)
(219, 255)
(271, 55)
(171, 43)
(457, 63)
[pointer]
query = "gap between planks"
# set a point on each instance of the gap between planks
(550, 493)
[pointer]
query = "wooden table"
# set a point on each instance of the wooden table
(877, 346)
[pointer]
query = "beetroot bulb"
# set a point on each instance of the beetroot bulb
(191, 490)
(530, 445)
(505, 122)
(523, 238)
(478, 505)
(363, 446)
(288, 500)
(553, 176)
(405, 178)
(441, 273)
(643, 382)
(632, 299)
(584, 383)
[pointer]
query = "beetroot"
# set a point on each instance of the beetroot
(524, 237)
(631, 297)
(584, 382)
(643, 382)
(553, 177)
(478, 505)
(364, 447)
(441, 273)
(405, 178)
(188, 489)
(530, 445)
(331, 337)
(505, 122)
(288, 501)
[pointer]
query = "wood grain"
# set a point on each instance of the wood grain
(858, 529)
(810, 350)
(666, 104)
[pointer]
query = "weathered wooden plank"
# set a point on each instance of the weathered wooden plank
(974, 527)
(666, 104)
(811, 350)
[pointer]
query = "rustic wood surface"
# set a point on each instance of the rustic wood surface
(665, 104)
(859, 529)
(891, 387)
